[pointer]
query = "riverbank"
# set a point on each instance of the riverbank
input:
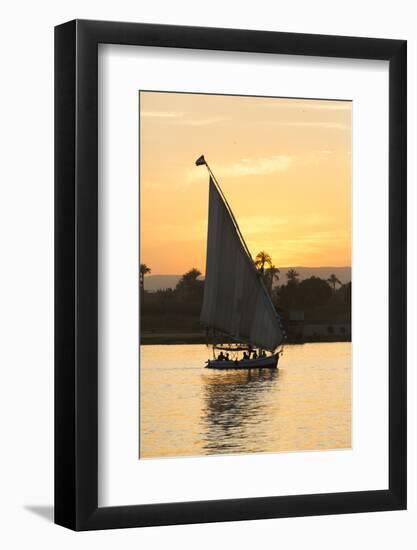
(309, 334)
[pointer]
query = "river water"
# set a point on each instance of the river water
(187, 410)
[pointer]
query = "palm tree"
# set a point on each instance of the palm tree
(188, 279)
(333, 280)
(262, 259)
(190, 282)
(271, 275)
(292, 276)
(143, 270)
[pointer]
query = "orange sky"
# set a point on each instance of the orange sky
(283, 164)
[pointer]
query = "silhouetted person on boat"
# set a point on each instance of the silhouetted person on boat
(227, 357)
(221, 357)
(245, 355)
(255, 355)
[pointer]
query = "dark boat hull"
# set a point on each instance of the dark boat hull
(270, 362)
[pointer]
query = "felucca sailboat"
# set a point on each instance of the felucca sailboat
(239, 317)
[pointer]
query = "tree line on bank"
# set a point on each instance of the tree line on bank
(324, 300)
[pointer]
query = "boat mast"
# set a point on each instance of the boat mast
(199, 162)
(202, 161)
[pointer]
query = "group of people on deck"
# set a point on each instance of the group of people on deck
(246, 355)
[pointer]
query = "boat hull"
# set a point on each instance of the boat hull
(270, 362)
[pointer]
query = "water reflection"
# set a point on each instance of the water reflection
(233, 402)
(187, 410)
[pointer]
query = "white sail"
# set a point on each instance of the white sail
(236, 302)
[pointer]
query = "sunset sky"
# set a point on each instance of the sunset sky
(283, 164)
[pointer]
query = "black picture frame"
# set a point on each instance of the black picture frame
(76, 272)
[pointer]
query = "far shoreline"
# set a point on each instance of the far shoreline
(150, 339)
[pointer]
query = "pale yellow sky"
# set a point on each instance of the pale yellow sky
(283, 164)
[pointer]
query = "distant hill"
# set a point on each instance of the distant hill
(156, 282)
(344, 274)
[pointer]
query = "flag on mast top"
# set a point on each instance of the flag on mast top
(200, 161)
